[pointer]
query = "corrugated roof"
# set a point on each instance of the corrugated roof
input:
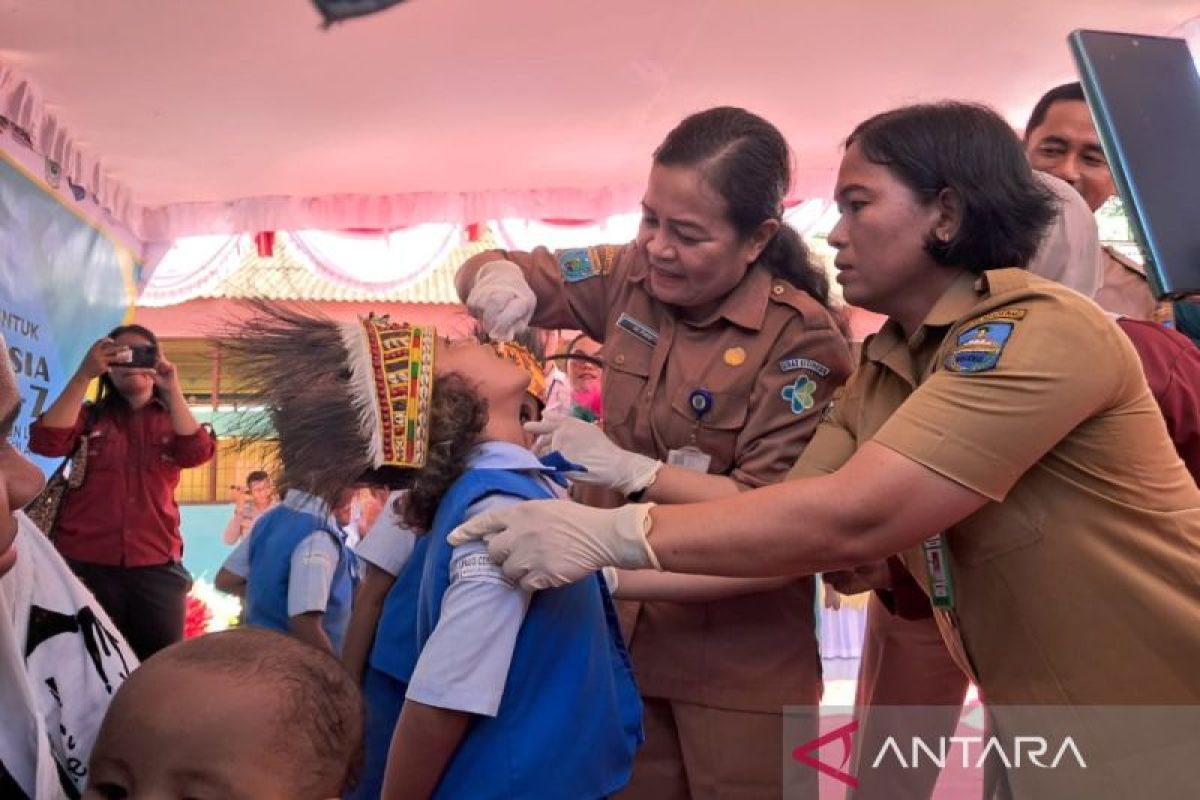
(285, 276)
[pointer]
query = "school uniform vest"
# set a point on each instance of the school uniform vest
(276, 535)
(395, 650)
(569, 721)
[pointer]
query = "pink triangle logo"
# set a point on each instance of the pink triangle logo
(807, 753)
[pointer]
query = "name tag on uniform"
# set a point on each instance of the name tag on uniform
(689, 457)
(478, 568)
(638, 329)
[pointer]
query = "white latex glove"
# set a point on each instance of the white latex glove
(502, 300)
(587, 445)
(547, 543)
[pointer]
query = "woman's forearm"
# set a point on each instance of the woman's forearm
(675, 588)
(776, 530)
(878, 504)
(675, 484)
(64, 411)
(182, 420)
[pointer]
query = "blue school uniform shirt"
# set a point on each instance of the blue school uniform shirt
(394, 652)
(299, 562)
(566, 721)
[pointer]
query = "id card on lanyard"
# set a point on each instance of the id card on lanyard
(692, 457)
(937, 572)
(689, 457)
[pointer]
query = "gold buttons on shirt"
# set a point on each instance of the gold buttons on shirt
(734, 356)
(620, 359)
(777, 289)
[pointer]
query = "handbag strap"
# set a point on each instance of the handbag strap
(90, 415)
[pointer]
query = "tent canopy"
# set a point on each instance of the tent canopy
(225, 116)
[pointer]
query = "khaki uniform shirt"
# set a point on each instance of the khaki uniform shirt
(1080, 581)
(771, 356)
(1124, 289)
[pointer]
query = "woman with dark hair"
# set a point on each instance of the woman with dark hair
(721, 351)
(119, 530)
(999, 435)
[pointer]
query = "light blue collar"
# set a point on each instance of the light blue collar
(306, 503)
(504, 455)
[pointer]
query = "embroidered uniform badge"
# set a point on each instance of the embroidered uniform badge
(978, 349)
(800, 394)
(576, 265)
(791, 364)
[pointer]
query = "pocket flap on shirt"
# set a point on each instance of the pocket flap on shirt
(631, 358)
(728, 409)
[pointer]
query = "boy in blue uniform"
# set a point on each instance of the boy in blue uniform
(512, 694)
(302, 573)
(296, 571)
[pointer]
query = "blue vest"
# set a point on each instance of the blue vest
(276, 535)
(570, 718)
(395, 650)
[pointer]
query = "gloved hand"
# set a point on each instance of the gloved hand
(547, 543)
(582, 443)
(502, 300)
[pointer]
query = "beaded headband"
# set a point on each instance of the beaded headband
(392, 370)
(520, 355)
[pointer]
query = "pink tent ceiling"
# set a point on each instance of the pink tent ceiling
(222, 116)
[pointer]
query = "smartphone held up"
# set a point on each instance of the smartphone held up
(138, 356)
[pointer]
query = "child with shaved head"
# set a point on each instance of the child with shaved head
(244, 713)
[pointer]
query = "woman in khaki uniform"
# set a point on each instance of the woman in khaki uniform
(720, 354)
(1000, 435)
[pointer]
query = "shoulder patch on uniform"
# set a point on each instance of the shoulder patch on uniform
(576, 264)
(999, 314)
(793, 364)
(580, 263)
(799, 394)
(978, 348)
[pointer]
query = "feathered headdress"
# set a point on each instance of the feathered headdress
(345, 400)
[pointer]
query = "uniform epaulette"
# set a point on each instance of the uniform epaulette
(999, 281)
(815, 315)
